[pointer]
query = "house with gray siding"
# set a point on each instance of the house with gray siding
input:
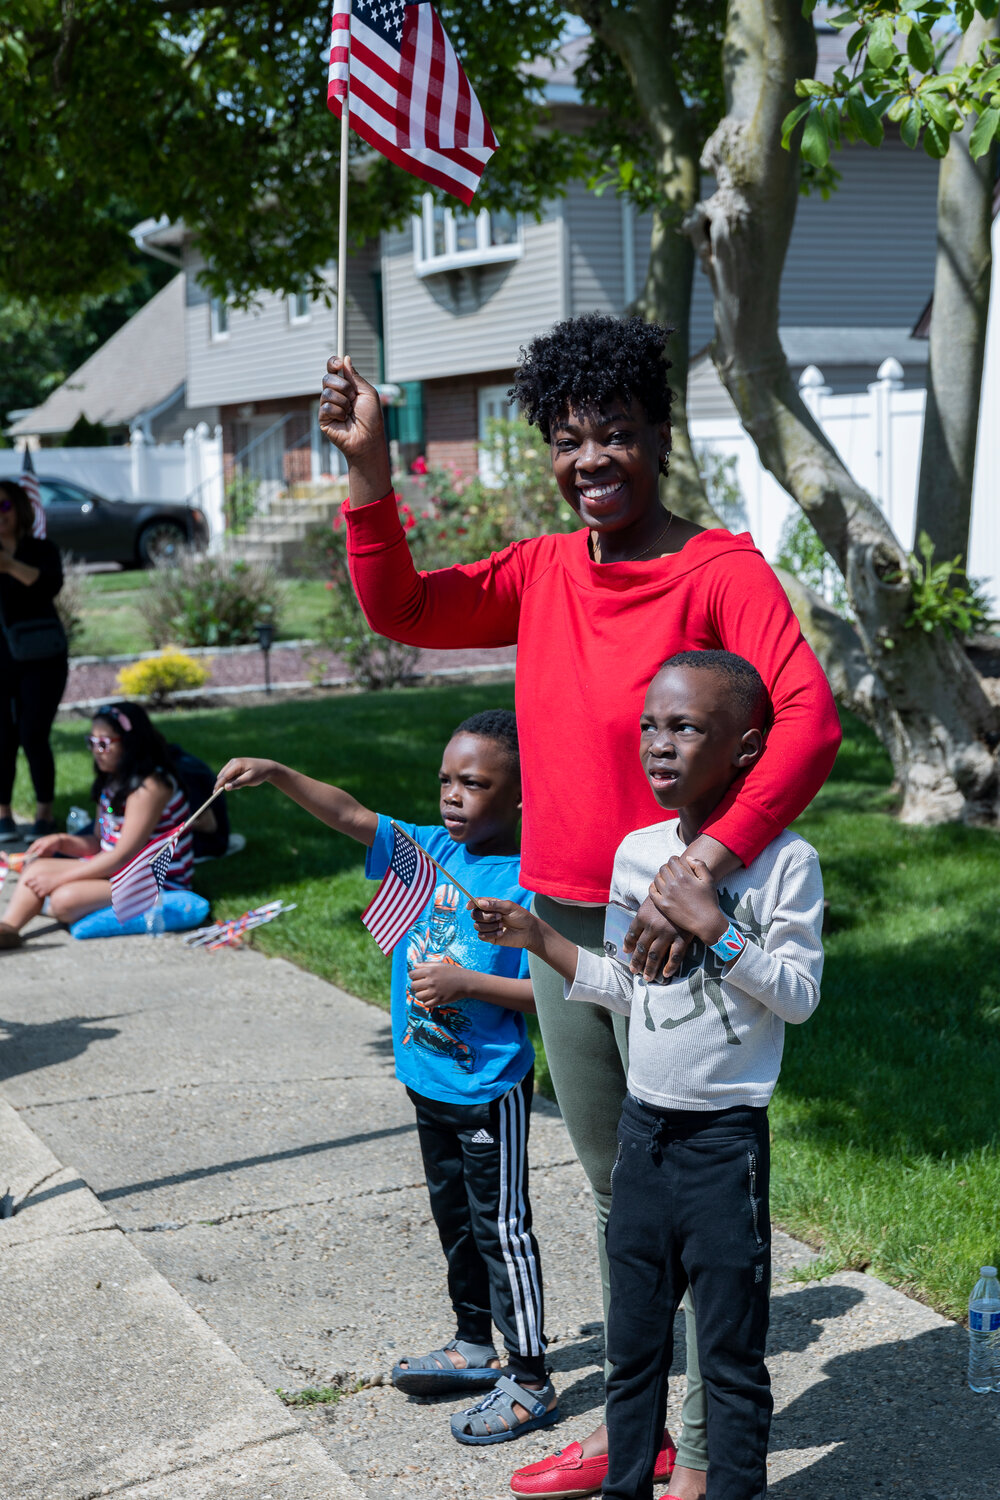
(439, 309)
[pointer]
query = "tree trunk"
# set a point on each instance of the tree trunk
(958, 332)
(927, 701)
(641, 36)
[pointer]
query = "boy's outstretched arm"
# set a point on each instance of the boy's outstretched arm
(330, 804)
(511, 926)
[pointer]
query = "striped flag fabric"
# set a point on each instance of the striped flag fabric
(29, 483)
(409, 96)
(137, 885)
(402, 895)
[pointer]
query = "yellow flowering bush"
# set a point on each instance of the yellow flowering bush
(159, 677)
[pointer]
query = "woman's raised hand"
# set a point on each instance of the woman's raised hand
(350, 412)
(243, 771)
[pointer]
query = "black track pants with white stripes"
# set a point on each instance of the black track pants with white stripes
(476, 1165)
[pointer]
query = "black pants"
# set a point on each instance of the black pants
(689, 1206)
(476, 1165)
(29, 696)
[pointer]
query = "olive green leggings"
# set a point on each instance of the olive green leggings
(587, 1052)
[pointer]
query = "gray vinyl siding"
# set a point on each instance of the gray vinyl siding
(265, 355)
(462, 322)
(596, 251)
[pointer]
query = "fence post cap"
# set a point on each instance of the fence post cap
(812, 379)
(891, 370)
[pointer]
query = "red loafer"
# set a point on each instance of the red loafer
(568, 1474)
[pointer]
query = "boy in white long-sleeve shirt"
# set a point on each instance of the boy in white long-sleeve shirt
(690, 1185)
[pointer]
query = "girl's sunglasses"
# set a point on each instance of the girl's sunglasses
(102, 742)
(5, 505)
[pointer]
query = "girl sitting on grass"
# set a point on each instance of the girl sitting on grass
(138, 798)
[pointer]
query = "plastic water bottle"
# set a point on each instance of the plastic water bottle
(984, 1332)
(77, 819)
(156, 926)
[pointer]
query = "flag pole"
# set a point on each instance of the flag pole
(446, 873)
(345, 114)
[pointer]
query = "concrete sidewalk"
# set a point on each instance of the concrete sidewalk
(238, 1120)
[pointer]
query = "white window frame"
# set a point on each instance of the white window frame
(218, 317)
(485, 254)
(486, 396)
(295, 317)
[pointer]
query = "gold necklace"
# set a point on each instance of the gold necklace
(640, 555)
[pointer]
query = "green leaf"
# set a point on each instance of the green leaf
(920, 49)
(790, 121)
(867, 123)
(936, 108)
(987, 127)
(909, 130)
(936, 140)
(815, 145)
(882, 43)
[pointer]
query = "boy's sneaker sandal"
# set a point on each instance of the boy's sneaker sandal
(568, 1474)
(434, 1374)
(493, 1420)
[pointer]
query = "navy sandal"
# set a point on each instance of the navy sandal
(434, 1374)
(492, 1420)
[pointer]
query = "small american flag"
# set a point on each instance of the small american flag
(136, 887)
(409, 97)
(402, 895)
(29, 484)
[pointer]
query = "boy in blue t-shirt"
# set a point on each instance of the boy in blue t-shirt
(462, 1051)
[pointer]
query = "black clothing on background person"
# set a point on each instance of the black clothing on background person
(32, 601)
(30, 691)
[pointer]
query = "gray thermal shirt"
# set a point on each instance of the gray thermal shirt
(713, 1037)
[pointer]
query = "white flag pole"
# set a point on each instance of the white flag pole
(345, 113)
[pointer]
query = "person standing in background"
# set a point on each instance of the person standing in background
(33, 658)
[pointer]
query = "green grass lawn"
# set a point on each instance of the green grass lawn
(886, 1117)
(113, 623)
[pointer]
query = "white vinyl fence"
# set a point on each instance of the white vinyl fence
(877, 433)
(190, 472)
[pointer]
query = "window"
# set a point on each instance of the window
(299, 307)
(58, 492)
(446, 239)
(494, 406)
(219, 318)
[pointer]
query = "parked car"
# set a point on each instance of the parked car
(135, 533)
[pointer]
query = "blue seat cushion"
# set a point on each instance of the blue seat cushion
(182, 910)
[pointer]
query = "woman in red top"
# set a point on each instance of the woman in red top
(593, 613)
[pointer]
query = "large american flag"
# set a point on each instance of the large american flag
(409, 97)
(402, 895)
(29, 484)
(137, 885)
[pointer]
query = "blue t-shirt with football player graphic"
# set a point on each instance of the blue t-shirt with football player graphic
(466, 1051)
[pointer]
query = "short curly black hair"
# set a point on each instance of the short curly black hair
(747, 688)
(499, 725)
(585, 362)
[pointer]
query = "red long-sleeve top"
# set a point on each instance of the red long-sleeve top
(589, 637)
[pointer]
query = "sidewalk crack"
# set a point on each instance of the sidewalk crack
(251, 1211)
(199, 1463)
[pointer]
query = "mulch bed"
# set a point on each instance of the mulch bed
(288, 664)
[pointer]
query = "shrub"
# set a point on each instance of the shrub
(70, 600)
(801, 553)
(375, 661)
(159, 677)
(210, 601)
(240, 504)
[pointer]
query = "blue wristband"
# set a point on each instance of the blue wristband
(731, 943)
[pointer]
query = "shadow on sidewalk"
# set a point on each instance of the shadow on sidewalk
(240, 1164)
(28, 1045)
(903, 1421)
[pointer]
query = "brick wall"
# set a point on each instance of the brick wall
(451, 419)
